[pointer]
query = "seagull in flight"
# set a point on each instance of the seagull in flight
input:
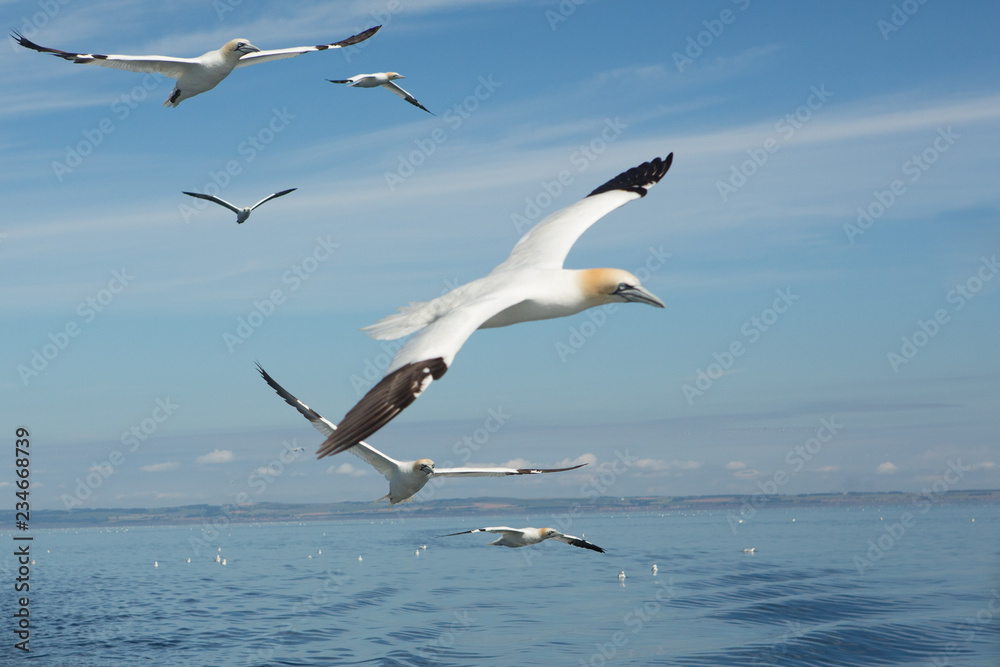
(193, 75)
(522, 537)
(241, 213)
(384, 79)
(531, 284)
(406, 478)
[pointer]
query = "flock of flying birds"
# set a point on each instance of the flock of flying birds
(531, 284)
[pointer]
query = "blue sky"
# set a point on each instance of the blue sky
(779, 362)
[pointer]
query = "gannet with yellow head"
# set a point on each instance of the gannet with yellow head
(193, 75)
(522, 537)
(385, 80)
(531, 284)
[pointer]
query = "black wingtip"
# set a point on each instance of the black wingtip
(24, 41)
(360, 37)
(638, 179)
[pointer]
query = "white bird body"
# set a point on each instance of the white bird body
(531, 284)
(523, 537)
(193, 75)
(406, 478)
(241, 213)
(385, 80)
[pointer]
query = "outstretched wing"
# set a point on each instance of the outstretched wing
(406, 96)
(270, 197)
(424, 358)
(546, 244)
(172, 68)
(577, 542)
(278, 54)
(496, 472)
(213, 198)
(495, 529)
(373, 457)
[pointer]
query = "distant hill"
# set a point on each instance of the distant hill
(279, 512)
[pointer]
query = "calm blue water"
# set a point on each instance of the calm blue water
(933, 598)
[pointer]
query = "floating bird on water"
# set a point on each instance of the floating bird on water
(621, 575)
(385, 80)
(531, 284)
(406, 478)
(193, 75)
(241, 213)
(522, 537)
(655, 569)
(750, 550)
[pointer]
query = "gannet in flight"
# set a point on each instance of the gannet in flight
(522, 537)
(241, 213)
(529, 285)
(406, 478)
(384, 79)
(194, 75)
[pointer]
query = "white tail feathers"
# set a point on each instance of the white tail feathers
(417, 315)
(409, 319)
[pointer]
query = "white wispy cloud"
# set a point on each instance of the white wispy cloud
(160, 467)
(347, 469)
(217, 456)
(656, 465)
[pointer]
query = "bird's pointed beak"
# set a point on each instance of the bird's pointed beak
(248, 48)
(640, 294)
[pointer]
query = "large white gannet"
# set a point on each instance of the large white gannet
(522, 537)
(531, 284)
(194, 75)
(384, 79)
(241, 213)
(406, 478)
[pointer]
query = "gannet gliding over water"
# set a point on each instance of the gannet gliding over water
(531, 284)
(384, 79)
(406, 478)
(194, 75)
(522, 537)
(241, 213)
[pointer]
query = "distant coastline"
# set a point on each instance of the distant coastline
(281, 512)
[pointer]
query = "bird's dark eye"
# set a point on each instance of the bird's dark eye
(622, 287)
(240, 45)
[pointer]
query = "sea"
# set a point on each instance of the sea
(892, 585)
